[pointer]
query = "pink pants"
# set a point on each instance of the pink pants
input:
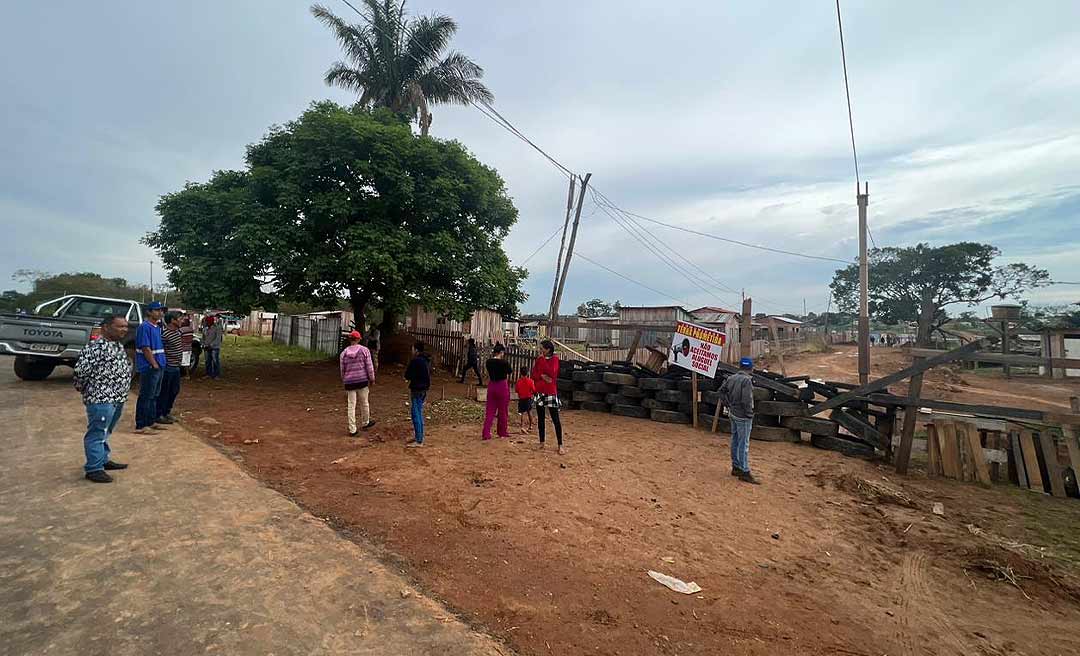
(498, 398)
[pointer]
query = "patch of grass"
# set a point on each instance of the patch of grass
(1053, 523)
(236, 349)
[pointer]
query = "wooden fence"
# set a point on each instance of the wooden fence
(318, 335)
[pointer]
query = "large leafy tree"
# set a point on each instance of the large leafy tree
(397, 62)
(598, 308)
(347, 203)
(917, 283)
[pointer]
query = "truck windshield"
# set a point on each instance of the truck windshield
(90, 308)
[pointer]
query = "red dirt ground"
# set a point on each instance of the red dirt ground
(550, 553)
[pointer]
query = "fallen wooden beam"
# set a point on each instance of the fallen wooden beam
(1000, 412)
(1016, 359)
(762, 381)
(858, 428)
(881, 383)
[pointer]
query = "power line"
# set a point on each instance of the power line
(541, 246)
(629, 279)
(847, 92)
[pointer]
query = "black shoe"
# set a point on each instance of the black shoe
(98, 477)
(165, 420)
(172, 419)
(368, 425)
(735, 471)
(110, 465)
(747, 477)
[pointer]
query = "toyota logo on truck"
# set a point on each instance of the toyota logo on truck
(41, 332)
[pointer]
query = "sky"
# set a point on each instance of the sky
(727, 118)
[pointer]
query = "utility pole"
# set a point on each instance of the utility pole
(864, 286)
(562, 249)
(804, 308)
(828, 306)
(746, 328)
(570, 248)
(151, 280)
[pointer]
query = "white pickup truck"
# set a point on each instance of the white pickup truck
(58, 330)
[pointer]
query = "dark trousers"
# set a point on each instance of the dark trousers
(149, 388)
(555, 421)
(472, 365)
(170, 389)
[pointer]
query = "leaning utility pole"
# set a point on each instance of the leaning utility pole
(864, 286)
(570, 248)
(562, 249)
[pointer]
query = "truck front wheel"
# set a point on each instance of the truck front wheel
(33, 369)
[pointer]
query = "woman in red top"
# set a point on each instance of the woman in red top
(545, 373)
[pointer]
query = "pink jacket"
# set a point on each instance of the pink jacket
(356, 365)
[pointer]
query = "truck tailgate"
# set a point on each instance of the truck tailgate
(42, 336)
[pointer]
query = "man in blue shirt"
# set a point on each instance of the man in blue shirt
(150, 363)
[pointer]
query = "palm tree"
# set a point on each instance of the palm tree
(394, 61)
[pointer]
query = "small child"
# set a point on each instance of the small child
(525, 388)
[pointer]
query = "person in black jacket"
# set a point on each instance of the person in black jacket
(472, 362)
(418, 373)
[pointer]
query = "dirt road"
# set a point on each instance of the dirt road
(184, 554)
(550, 553)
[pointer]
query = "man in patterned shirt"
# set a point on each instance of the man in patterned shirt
(103, 376)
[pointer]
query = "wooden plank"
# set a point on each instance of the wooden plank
(1031, 461)
(978, 458)
(776, 345)
(964, 408)
(1072, 443)
(634, 347)
(1018, 460)
(858, 427)
(933, 451)
(694, 395)
(1053, 468)
(907, 431)
(903, 374)
(950, 451)
(1016, 359)
(716, 416)
(823, 427)
(761, 381)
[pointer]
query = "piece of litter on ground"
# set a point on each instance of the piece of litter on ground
(675, 584)
(908, 528)
(251, 441)
(338, 461)
(776, 536)
(667, 559)
(939, 509)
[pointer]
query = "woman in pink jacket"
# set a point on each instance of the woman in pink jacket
(357, 374)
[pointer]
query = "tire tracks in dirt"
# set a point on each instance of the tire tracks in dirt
(921, 621)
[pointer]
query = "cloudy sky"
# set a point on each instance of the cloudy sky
(724, 117)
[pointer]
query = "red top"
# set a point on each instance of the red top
(525, 388)
(549, 366)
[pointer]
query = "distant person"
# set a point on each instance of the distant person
(170, 380)
(213, 335)
(545, 374)
(498, 392)
(525, 389)
(103, 377)
(472, 362)
(373, 345)
(357, 375)
(150, 363)
(737, 393)
(418, 373)
(187, 337)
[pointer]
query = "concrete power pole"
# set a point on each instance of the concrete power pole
(570, 248)
(864, 289)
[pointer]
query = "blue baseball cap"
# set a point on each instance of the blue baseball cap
(746, 363)
(155, 305)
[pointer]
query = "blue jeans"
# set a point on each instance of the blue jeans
(740, 443)
(170, 389)
(101, 419)
(149, 388)
(213, 362)
(417, 409)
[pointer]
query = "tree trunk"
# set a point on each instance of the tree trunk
(358, 301)
(389, 323)
(927, 310)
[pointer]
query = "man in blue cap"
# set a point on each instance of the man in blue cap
(738, 393)
(150, 363)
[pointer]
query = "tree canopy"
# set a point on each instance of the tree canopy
(397, 62)
(46, 286)
(345, 203)
(917, 283)
(598, 308)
